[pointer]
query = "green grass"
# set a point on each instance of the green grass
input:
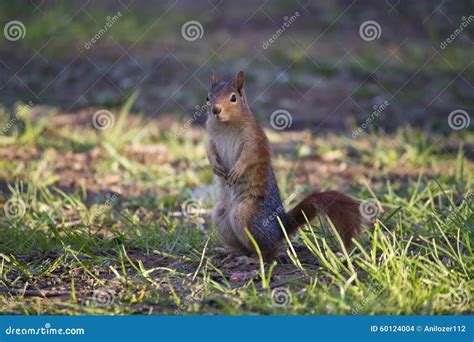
(70, 249)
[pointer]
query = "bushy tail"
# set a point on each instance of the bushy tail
(341, 209)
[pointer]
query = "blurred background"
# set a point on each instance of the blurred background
(310, 58)
(105, 188)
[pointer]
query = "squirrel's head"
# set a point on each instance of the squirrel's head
(226, 100)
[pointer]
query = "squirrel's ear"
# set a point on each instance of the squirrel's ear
(239, 81)
(213, 79)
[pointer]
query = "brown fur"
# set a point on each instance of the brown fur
(340, 208)
(239, 154)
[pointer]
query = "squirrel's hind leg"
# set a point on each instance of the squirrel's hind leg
(243, 216)
(220, 219)
(240, 217)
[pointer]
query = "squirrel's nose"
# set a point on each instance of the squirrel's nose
(216, 109)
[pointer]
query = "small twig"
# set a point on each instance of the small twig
(38, 293)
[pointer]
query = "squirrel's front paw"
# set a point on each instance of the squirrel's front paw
(234, 176)
(219, 170)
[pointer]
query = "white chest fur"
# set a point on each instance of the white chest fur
(228, 142)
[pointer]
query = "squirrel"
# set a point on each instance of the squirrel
(248, 196)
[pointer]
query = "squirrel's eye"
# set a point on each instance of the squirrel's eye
(233, 98)
(207, 99)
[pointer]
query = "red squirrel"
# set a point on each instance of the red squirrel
(248, 196)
